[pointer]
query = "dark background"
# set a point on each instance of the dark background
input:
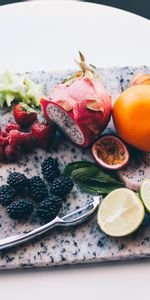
(140, 7)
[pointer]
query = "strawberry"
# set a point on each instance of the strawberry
(24, 115)
(43, 134)
(12, 126)
(28, 143)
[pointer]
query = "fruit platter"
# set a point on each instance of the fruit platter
(66, 137)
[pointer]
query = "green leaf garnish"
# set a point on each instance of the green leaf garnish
(92, 179)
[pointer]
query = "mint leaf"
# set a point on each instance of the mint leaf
(91, 178)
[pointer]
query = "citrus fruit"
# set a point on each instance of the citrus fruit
(131, 115)
(120, 213)
(145, 193)
(110, 152)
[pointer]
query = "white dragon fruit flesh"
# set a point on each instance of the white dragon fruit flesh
(135, 173)
(79, 106)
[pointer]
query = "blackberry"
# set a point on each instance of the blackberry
(50, 168)
(49, 208)
(37, 189)
(7, 194)
(61, 186)
(20, 209)
(19, 182)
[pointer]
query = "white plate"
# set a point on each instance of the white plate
(47, 35)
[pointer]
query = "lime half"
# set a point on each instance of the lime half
(145, 193)
(120, 213)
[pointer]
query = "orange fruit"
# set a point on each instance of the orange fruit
(131, 115)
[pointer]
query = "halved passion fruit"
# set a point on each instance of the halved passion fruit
(110, 152)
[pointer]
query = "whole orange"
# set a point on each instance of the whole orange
(131, 115)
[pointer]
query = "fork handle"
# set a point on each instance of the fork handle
(26, 236)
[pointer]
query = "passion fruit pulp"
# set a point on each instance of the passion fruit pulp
(110, 152)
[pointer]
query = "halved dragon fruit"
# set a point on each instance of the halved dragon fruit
(79, 106)
(137, 171)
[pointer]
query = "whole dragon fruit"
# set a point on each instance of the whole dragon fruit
(79, 106)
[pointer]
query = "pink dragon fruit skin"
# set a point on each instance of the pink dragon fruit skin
(80, 107)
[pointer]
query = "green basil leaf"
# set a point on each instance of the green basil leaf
(84, 173)
(105, 178)
(91, 179)
(91, 188)
(88, 189)
(76, 165)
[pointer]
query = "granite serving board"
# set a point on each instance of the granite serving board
(84, 243)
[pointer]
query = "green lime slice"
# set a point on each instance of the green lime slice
(145, 193)
(120, 213)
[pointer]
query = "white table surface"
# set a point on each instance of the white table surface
(46, 36)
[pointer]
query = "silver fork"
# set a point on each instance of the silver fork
(71, 219)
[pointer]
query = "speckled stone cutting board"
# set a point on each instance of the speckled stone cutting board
(84, 243)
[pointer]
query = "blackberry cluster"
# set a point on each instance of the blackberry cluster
(49, 208)
(20, 209)
(47, 204)
(19, 182)
(7, 194)
(61, 186)
(50, 168)
(37, 189)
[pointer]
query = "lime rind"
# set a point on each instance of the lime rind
(145, 194)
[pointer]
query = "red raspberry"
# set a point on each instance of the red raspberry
(1, 153)
(4, 134)
(22, 139)
(4, 139)
(15, 137)
(12, 126)
(12, 153)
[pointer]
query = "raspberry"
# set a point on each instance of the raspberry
(23, 139)
(12, 126)
(4, 134)
(12, 153)
(15, 137)
(1, 153)
(4, 139)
